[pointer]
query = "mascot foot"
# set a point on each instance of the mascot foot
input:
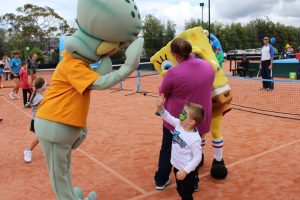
(92, 196)
(218, 169)
(78, 192)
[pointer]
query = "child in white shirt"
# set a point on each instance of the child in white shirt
(186, 145)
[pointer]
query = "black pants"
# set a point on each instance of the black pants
(164, 163)
(185, 187)
(241, 72)
(25, 97)
(266, 73)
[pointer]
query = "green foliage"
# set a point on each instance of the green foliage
(34, 23)
(236, 35)
(39, 54)
(156, 34)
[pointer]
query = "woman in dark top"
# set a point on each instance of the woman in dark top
(244, 66)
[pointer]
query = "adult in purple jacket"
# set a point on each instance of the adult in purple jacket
(191, 80)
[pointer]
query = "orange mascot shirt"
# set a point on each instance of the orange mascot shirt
(67, 99)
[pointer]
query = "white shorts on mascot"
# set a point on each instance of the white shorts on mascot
(103, 27)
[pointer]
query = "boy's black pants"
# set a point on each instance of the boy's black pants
(25, 97)
(185, 187)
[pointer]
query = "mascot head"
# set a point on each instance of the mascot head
(201, 48)
(104, 25)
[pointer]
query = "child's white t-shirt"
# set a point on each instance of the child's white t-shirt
(186, 146)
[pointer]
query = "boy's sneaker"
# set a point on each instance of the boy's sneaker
(161, 187)
(27, 155)
(27, 105)
(16, 96)
(11, 95)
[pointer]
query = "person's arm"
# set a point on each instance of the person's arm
(272, 51)
(168, 117)
(197, 156)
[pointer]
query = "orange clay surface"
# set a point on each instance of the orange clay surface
(119, 158)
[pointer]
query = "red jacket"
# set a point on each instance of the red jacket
(24, 84)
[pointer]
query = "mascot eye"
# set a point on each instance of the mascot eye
(166, 65)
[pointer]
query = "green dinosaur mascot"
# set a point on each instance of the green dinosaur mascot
(104, 26)
(222, 94)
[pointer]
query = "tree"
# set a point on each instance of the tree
(169, 33)
(153, 32)
(35, 23)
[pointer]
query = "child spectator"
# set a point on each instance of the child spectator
(298, 54)
(186, 151)
(220, 57)
(6, 59)
(35, 100)
(24, 84)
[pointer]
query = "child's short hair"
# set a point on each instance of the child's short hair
(39, 83)
(24, 62)
(196, 112)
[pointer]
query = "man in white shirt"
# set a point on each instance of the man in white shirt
(266, 64)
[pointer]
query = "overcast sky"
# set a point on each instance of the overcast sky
(225, 11)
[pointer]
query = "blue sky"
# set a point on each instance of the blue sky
(224, 11)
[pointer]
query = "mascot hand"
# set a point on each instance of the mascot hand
(133, 54)
(82, 136)
(105, 66)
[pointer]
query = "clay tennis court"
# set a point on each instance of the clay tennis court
(119, 158)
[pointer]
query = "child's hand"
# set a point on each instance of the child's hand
(160, 103)
(181, 174)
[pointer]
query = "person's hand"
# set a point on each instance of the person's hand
(160, 103)
(181, 174)
(270, 67)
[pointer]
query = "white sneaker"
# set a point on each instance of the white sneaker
(16, 96)
(27, 155)
(11, 95)
(161, 187)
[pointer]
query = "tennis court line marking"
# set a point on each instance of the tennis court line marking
(154, 192)
(99, 163)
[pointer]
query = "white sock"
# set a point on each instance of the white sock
(218, 149)
(202, 145)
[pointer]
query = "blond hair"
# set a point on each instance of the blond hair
(196, 112)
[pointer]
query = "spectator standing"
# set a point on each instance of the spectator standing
(14, 68)
(24, 84)
(32, 68)
(6, 66)
(266, 64)
(220, 57)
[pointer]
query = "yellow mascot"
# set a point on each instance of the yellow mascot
(222, 94)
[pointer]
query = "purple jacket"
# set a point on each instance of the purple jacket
(192, 80)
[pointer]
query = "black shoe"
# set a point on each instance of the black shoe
(218, 169)
(161, 187)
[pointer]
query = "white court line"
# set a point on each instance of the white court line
(154, 192)
(147, 194)
(141, 190)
